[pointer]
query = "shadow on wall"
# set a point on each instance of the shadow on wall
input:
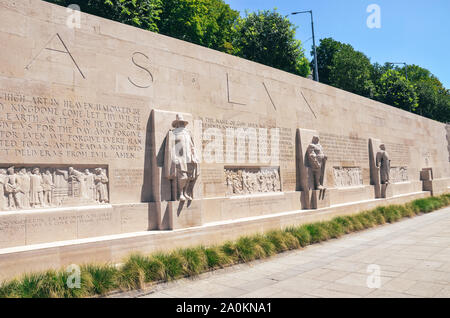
(146, 194)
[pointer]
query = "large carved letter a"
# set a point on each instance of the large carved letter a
(63, 50)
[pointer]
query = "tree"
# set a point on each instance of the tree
(268, 38)
(442, 110)
(143, 14)
(395, 90)
(351, 70)
(204, 22)
(325, 52)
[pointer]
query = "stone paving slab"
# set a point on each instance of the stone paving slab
(413, 258)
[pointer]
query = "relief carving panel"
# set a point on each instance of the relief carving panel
(347, 177)
(399, 174)
(241, 181)
(44, 187)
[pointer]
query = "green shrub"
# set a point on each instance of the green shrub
(378, 216)
(302, 235)
(173, 264)
(216, 257)
(196, 260)
(282, 240)
(10, 289)
(267, 246)
(139, 269)
(230, 250)
(345, 223)
(356, 223)
(335, 229)
(103, 277)
(318, 232)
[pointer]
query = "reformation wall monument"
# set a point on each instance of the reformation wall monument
(114, 139)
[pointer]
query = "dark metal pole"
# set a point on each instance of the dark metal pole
(316, 68)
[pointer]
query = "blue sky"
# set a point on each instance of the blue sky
(412, 31)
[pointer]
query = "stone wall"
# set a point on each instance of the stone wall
(83, 96)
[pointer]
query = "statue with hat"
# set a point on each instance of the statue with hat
(180, 160)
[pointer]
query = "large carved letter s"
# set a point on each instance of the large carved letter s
(141, 67)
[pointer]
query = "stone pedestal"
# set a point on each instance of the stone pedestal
(436, 186)
(320, 199)
(386, 191)
(174, 215)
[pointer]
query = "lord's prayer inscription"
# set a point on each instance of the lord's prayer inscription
(50, 127)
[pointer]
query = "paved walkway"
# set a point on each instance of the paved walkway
(413, 258)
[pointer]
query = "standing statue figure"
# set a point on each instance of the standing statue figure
(23, 188)
(315, 161)
(36, 189)
(48, 186)
(11, 189)
(90, 186)
(101, 186)
(383, 164)
(180, 160)
(3, 178)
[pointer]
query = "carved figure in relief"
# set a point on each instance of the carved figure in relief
(11, 189)
(3, 178)
(36, 189)
(180, 160)
(90, 185)
(101, 187)
(23, 187)
(276, 181)
(252, 180)
(237, 183)
(61, 182)
(48, 187)
(79, 178)
(383, 164)
(315, 161)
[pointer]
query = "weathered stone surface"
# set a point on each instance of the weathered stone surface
(105, 95)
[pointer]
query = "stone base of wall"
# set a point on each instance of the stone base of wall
(351, 194)
(113, 248)
(437, 186)
(405, 187)
(29, 227)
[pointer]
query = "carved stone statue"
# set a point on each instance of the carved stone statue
(36, 189)
(180, 160)
(23, 187)
(315, 161)
(101, 186)
(47, 186)
(383, 164)
(90, 185)
(11, 189)
(3, 178)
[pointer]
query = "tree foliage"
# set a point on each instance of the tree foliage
(395, 90)
(139, 13)
(268, 37)
(205, 22)
(343, 67)
(351, 71)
